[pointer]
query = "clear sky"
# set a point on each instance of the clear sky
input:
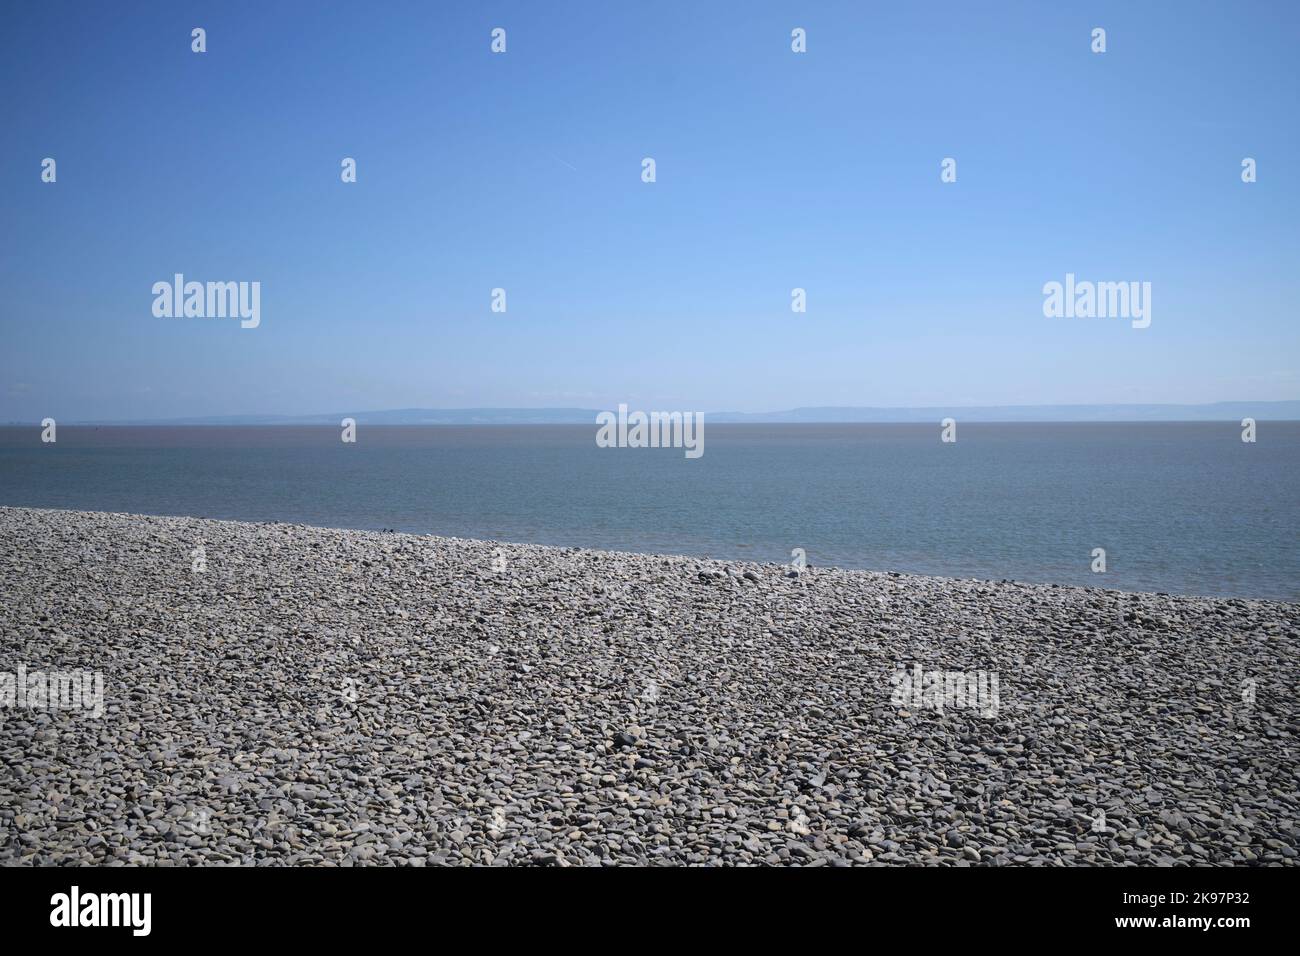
(522, 170)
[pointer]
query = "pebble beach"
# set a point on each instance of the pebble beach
(289, 695)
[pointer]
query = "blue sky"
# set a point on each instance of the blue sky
(775, 170)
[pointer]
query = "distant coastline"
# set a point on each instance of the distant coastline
(820, 415)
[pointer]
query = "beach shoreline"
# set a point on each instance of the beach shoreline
(278, 693)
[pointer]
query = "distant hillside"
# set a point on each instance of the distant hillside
(1218, 411)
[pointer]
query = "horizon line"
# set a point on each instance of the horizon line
(805, 414)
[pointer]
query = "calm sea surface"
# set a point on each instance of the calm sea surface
(1184, 508)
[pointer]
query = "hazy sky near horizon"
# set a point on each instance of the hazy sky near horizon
(775, 170)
